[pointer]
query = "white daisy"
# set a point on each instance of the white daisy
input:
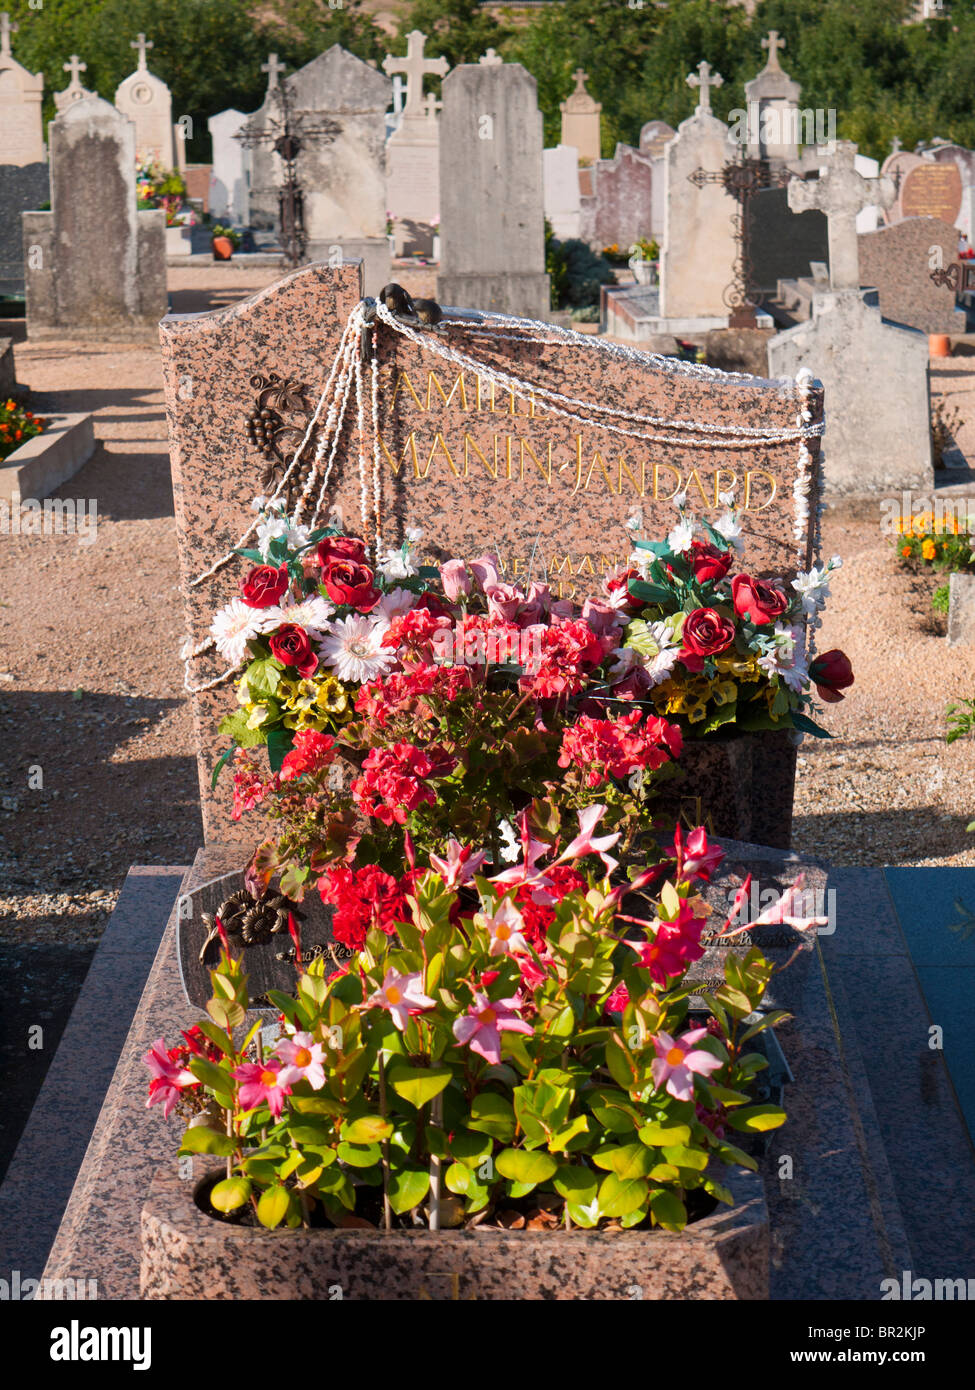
(624, 659)
(727, 499)
(394, 603)
(414, 534)
(679, 500)
(640, 560)
(681, 536)
(259, 503)
(313, 614)
(233, 627)
(353, 648)
(510, 847)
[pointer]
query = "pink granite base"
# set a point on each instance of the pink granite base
(188, 1255)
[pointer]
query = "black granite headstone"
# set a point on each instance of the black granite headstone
(781, 242)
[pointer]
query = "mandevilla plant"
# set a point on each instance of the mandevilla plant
(473, 1061)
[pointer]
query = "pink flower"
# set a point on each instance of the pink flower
(677, 1062)
(585, 844)
(503, 601)
(402, 996)
(781, 910)
(260, 1082)
(697, 857)
(505, 927)
(455, 580)
(486, 1019)
(168, 1078)
(303, 1058)
(537, 603)
(534, 974)
(486, 570)
(460, 865)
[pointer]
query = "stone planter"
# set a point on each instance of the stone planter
(188, 1255)
(739, 787)
(643, 271)
(179, 241)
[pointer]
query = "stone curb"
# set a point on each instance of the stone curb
(45, 462)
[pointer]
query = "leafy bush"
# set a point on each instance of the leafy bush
(576, 272)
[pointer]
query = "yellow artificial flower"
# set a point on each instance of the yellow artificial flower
(332, 696)
(746, 668)
(724, 692)
(256, 714)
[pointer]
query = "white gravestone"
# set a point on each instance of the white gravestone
(561, 183)
(772, 104)
(74, 91)
(21, 93)
(228, 183)
(145, 99)
(580, 120)
(698, 255)
(413, 149)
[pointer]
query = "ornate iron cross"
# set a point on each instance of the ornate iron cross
(741, 179)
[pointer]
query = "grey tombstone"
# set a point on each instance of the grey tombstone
(74, 91)
(492, 221)
(22, 187)
(96, 266)
(146, 100)
(580, 120)
(228, 182)
(339, 103)
(413, 152)
(620, 207)
(772, 105)
(655, 136)
(782, 244)
(898, 262)
(842, 194)
(562, 200)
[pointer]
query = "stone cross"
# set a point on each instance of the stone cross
(895, 144)
(841, 193)
(273, 69)
(415, 66)
(705, 79)
(580, 78)
(142, 45)
(75, 67)
(773, 43)
(491, 59)
(6, 29)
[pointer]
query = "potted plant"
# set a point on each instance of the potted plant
(225, 241)
(644, 261)
(502, 1080)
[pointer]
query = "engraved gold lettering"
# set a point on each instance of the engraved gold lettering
(624, 467)
(752, 473)
(536, 461)
(586, 566)
(656, 482)
(469, 444)
(597, 458)
(440, 443)
(409, 446)
(694, 478)
(479, 406)
(458, 386)
(560, 567)
(400, 380)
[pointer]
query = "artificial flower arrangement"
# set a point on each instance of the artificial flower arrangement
(438, 701)
(714, 650)
(470, 1064)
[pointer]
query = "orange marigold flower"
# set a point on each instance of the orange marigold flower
(929, 550)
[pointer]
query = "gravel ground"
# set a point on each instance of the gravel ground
(93, 715)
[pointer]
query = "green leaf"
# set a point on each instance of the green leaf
(586, 1215)
(407, 1189)
(469, 1148)
(212, 1076)
(562, 1138)
(203, 1140)
(230, 1194)
(219, 765)
(359, 1155)
(367, 1129)
(457, 1179)
(272, 1206)
(279, 744)
(626, 1161)
(575, 1183)
(756, 1118)
(685, 1157)
(226, 1013)
(418, 1085)
(658, 1134)
(492, 1114)
(809, 726)
(769, 1020)
(235, 726)
(618, 1196)
(668, 1209)
(521, 1166)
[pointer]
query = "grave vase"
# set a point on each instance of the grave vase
(186, 1254)
(738, 786)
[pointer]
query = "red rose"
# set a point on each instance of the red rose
(705, 633)
(709, 562)
(831, 673)
(264, 586)
(341, 548)
(757, 602)
(292, 647)
(347, 581)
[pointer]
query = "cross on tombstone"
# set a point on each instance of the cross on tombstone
(273, 69)
(705, 79)
(841, 193)
(415, 66)
(773, 43)
(580, 79)
(6, 29)
(75, 67)
(895, 145)
(142, 44)
(491, 59)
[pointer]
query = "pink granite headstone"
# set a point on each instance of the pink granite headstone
(548, 484)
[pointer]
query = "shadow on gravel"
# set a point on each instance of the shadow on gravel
(882, 838)
(127, 486)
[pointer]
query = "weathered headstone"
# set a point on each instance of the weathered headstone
(22, 187)
(841, 193)
(655, 136)
(561, 182)
(96, 266)
(620, 208)
(492, 223)
(548, 481)
(698, 254)
(898, 261)
(228, 183)
(869, 217)
(74, 91)
(146, 100)
(21, 94)
(772, 105)
(580, 120)
(413, 152)
(338, 105)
